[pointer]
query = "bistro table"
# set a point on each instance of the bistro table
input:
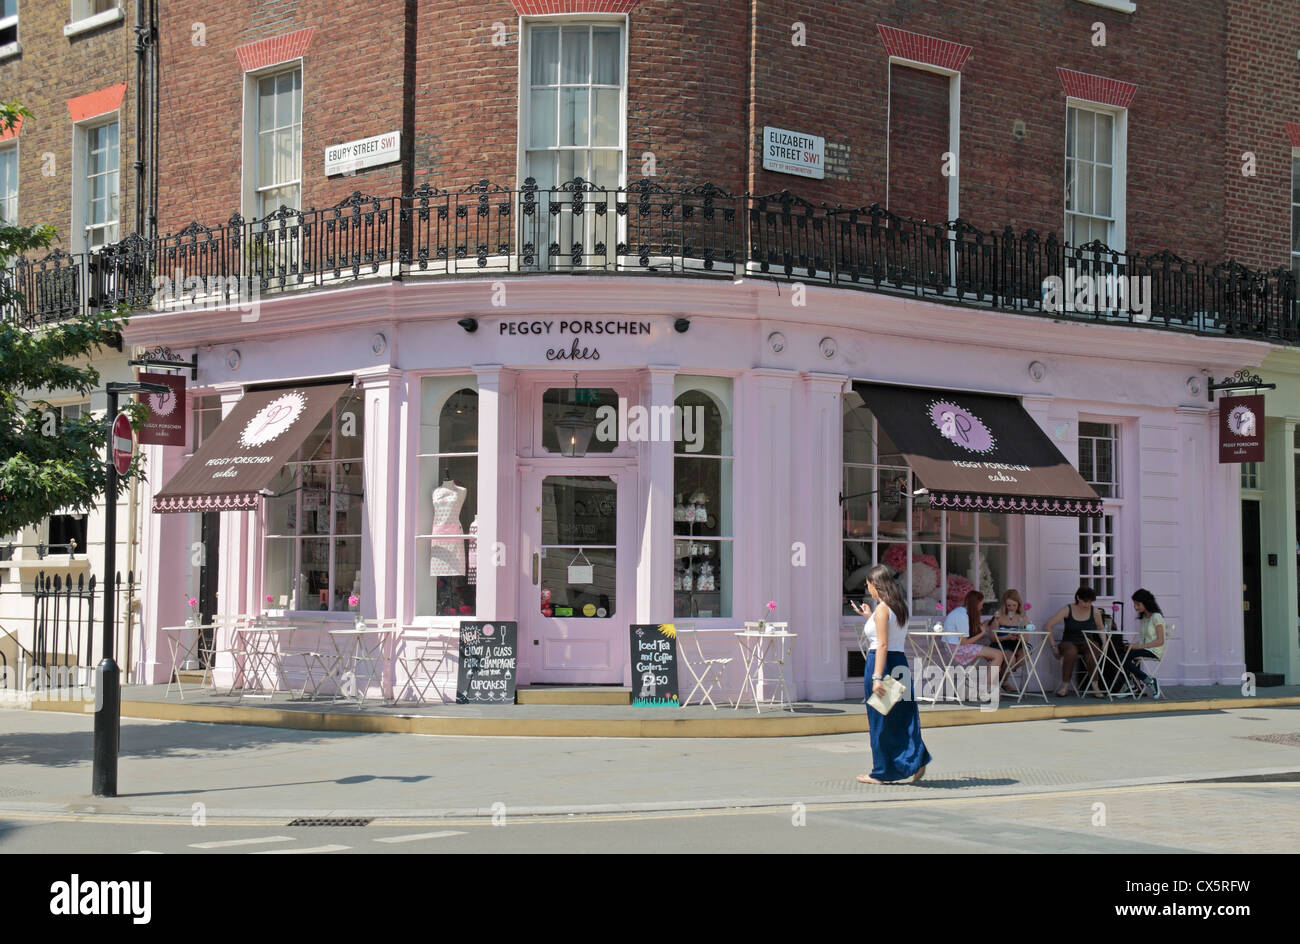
(755, 647)
(183, 652)
(259, 645)
(365, 659)
(940, 651)
(1030, 664)
(1106, 654)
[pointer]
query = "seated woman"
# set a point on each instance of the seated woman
(1009, 620)
(1150, 642)
(1079, 617)
(968, 637)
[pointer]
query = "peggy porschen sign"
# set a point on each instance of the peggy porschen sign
(573, 336)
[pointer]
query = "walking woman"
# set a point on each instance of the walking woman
(897, 752)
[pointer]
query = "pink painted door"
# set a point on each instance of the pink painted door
(578, 585)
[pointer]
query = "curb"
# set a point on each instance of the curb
(736, 727)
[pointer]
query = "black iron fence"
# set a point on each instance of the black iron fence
(647, 228)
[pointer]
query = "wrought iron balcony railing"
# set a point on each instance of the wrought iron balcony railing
(578, 228)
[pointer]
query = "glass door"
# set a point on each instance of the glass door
(573, 618)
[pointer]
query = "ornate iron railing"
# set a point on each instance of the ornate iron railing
(647, 228)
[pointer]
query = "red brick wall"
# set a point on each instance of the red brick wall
(1263, 95)
(51, 69)
(918, 139)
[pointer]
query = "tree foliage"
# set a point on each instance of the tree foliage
(46, 463)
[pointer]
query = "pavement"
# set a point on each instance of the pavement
(175, 770)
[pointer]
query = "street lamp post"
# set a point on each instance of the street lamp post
(108, 682)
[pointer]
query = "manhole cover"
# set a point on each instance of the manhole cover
(11, 792)
(1292, 739)
(329, 821)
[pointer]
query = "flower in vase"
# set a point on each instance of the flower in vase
(353, 600)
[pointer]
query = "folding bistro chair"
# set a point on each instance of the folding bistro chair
(1136, 689)
(423, 657)
(181, 653)
(231, 645)
(707, 672)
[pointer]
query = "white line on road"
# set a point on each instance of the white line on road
(416, 836)
(301, 851)
(225, 843)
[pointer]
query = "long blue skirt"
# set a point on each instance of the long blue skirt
(897, 751)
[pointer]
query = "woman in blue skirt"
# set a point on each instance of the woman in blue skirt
(897, 751)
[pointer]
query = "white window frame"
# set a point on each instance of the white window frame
(954, 126)
(83, 19)
(722, 391)
(1116, 434)
(5, 150)
(15, 47)
(251, 183)
(1118, 172)
(81, 181)
(1119, 6)
(526, 25)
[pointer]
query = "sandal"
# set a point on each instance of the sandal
(916, 777)
(867, 778)
(1063, 691)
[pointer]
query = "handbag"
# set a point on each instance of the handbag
(894, 692)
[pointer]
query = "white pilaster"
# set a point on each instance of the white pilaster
(654, 598)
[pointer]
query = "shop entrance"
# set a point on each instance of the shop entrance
(1251, 597)
(577, 589)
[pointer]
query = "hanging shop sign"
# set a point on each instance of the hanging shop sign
(654, 664)
(166, 423)
(365, 152)
(1241, 429)
(789, 152)
(489, 658)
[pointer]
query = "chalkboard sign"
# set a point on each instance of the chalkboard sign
(488, 660)
(654, 664)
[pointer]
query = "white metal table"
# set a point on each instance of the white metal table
(183, 651)
(1106, 653)
(365, 660)
(1030, 665)
(259, 645)
(754, 649)
(939, 651)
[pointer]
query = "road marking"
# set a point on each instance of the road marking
(301, 851)
(416, 836)
(225, 843)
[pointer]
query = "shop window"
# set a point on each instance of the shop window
(313, 517)
(1099, 457)
(702, 525)
(67, 534)
(940, 556)
(1250, 475)
(1094, 176)
(446, 553)
(587, 403)
(1097, 554)
(9, 185)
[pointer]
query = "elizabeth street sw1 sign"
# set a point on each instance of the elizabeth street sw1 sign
(789, 152)
(367, 152)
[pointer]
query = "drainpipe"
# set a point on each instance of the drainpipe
(753, 105)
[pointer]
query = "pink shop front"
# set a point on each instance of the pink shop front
(702, 447)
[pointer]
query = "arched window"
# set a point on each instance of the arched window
(702, 472)
(447, 502)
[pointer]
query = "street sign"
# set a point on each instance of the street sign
(123, 443)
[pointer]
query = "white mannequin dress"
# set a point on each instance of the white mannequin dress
(447, 557)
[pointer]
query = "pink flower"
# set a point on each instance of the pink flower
(939, 607)
(269, 598)
(771, 605)
(193, 602)
(1028, 607)
(353, 600)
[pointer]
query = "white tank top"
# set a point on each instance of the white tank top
(897, 634)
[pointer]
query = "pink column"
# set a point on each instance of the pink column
(498, 488)
(654, 574)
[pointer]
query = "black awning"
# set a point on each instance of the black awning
(248, 449)
(979, 452)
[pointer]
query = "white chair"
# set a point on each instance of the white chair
(1137, 689)
(708, 672)
(423, 656)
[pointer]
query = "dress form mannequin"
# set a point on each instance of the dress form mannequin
(447, 557)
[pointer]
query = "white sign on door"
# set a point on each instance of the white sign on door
(366, 152)
(789, 152)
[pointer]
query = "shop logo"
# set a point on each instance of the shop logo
(1242, 420)
(273, 420)
(961, 426)
(162, 404)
